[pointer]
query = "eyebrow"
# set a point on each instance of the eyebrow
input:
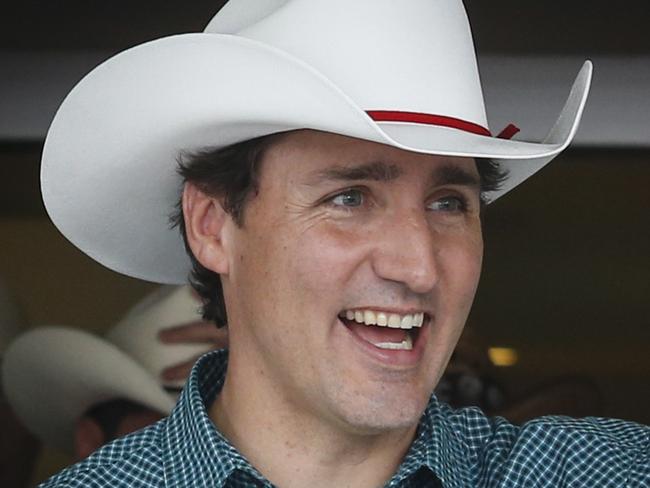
(451, 174)
(374, 171)
(445, 174)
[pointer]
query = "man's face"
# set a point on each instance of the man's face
(346, 228)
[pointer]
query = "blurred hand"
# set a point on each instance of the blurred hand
(192, 333)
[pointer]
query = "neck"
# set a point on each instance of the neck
(293, 448)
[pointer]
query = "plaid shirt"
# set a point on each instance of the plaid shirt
(453, 448)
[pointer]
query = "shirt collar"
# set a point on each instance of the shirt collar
(197, 454)
(438, 447)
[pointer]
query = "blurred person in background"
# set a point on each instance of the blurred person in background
(18, 448)
(75, 391)
(471, 379)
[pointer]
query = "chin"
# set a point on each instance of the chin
(384, 423)
(383, 411)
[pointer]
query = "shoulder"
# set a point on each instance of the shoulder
(583, 452)
(476, 429)
(134, 461)
(602, 431)
(549, 451)
(470, 427)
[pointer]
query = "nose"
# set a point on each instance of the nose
(405, 252)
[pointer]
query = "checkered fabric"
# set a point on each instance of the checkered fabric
(453, 448)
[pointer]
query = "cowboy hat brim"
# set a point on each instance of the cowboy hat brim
(50, 391)
(108, 174)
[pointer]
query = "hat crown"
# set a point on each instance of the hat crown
(409, 55)
(262, 67)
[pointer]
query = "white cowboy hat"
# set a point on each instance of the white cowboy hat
(53, 375)
(401, 73)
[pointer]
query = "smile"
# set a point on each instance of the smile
(384, 330)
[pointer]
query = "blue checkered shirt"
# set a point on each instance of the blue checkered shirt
(453, 448)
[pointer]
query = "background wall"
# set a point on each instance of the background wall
(565, 279)
(53, 281)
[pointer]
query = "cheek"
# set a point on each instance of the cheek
(323, 258)
(298, 267)
(461, 268)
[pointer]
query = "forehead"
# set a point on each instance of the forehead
(319, 156)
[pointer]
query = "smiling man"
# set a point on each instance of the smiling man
(347, 281)
(329, 206)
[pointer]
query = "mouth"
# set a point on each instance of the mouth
(386, 331)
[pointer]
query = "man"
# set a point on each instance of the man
(334, 162)
(75, 391)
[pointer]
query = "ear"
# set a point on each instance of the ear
(205, 227)
(88, 437)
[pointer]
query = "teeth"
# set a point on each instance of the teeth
(382, 319)
(394, 321)
(407, 322)
(418, 319)
(369, 317)
(405, 345)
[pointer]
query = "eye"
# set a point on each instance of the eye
(348, 198)
(448, 204)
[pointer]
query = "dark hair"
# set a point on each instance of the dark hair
(110, 413)
(231, 173)
(492, 177)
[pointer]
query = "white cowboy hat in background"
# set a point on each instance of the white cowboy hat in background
(402, 73)
(53, 375)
